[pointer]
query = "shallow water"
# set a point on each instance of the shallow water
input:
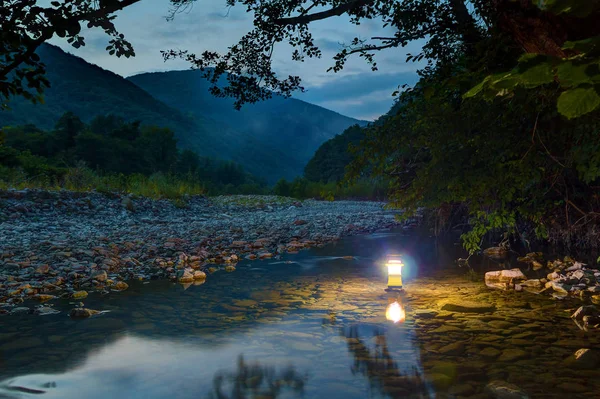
(309, 325)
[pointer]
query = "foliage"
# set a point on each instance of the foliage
(26, 25)
(578, 76)
(110, 153)
(503, 160)
(302, 188)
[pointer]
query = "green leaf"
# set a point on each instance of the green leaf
(584, 46)
(577, 102)
(573, 74)
(477, 89)
(505, 81)
(537, 75)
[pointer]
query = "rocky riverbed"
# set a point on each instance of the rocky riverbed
(66, 244)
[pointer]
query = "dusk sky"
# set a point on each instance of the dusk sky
(209, 25)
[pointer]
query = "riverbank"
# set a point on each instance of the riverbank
(66, 244)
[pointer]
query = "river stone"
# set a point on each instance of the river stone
(572, 387)
(440, 381)
(185, 276)
(21, 343)
(509, 355)
(200, 275)
(43, 297)
(446, 329)
(80, 313)
(504, 390)
(583, 359)
(589, 310)
(79, 295)
(495, 252)
(500, 324)
(562, 289)
(490, 353)
(453, 349)
(100, 276)
(45, 311)
(120, 286)
(468, 307)
(462, 390)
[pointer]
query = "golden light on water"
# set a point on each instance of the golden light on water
(394, 312)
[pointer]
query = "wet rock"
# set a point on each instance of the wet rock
(461, 390)
(468, 307)
(562, 289)
(440, 381)
(184, 276)
(43, 297)
(100, 276)
(119, 286)
(583, 359)
(199, 275)
(81, 313)
(45, 311)
(510, 355)
(496, 252)
(589, 310)
(572, 387)
(43, 269)
(79, 295)
(490, 353)
(504, 390)
(453, 349)
(504, 279)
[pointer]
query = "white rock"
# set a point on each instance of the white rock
(553, 276)
(504, 390)
(560, 288)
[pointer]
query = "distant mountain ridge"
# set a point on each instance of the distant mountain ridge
(272, 139)
(293, 125)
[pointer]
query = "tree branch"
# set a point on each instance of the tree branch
(336, 11)
(34, 44)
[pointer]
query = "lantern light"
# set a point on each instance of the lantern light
(394, 265)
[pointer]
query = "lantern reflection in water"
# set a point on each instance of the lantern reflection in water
(395, 312)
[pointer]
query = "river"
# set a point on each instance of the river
(310, 325)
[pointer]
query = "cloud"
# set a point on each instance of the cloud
(366, 95)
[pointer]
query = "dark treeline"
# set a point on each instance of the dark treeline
(111, 146)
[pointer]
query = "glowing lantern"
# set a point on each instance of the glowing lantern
(394, 265)
(394, 312)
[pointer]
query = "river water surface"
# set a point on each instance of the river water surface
(309, 325)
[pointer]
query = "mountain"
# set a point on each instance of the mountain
(328, 164)
(88, 90)
(292, 125)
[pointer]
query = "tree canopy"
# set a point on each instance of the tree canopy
(563, 33)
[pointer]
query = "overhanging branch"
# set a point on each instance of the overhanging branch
(334, 12)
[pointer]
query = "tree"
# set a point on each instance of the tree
(66, 129)
(283, 188)
(160, 148)
(26, 25)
